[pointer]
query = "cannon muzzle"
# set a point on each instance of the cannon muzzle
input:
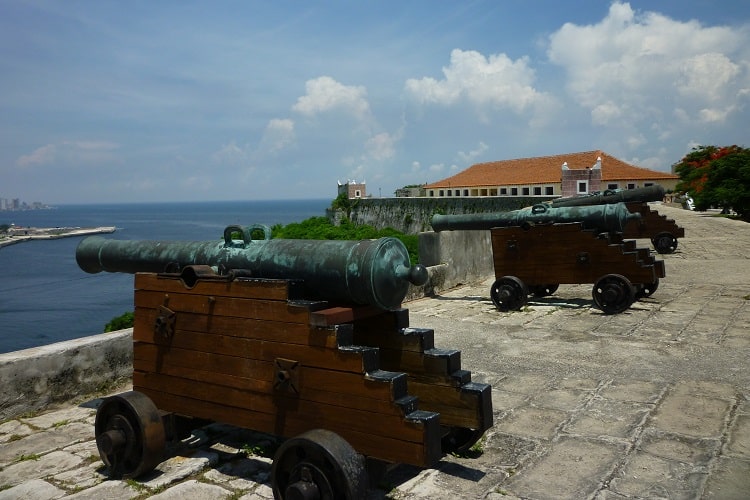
(367, 272)
(603, 218)
(644, 194)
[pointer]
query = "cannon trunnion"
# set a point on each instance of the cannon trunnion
(342, 382)
(535, 259)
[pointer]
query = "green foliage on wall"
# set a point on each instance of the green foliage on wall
(320, 228)
(120, 322)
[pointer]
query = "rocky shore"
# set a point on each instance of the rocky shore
(19, 235)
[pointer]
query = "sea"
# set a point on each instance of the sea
(46, 298)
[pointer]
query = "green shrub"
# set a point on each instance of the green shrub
(320, 228)
(120, 322)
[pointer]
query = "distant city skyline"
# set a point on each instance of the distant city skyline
(11, 204)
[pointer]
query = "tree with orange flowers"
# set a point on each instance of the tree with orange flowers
(717, 177)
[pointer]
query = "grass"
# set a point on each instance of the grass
(24, 458)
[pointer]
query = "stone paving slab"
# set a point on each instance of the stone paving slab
(650, 403)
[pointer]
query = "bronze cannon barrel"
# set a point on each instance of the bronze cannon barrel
(644, 194)
(373, 272)
(604, 218)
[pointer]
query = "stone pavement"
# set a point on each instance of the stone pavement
(650, 403)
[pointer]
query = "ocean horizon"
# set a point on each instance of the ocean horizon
(45, 297)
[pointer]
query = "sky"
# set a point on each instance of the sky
(144, 101)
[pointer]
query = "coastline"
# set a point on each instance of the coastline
(52, 233)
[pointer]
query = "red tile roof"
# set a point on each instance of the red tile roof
(545, 170)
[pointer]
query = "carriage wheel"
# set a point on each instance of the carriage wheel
(613, 293)
(318, 464)
(459, 440)
(543, 290)
(664, 243)
(646, 289)
(509, 293)
(129, 434)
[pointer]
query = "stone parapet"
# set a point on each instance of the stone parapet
(39, 377)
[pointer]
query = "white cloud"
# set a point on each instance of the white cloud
(326, 94)
(605, 113)
(632, 67)
(437, 168)
(40, 156)
(706, 76)
(230, 154)
(278, 135)
(496, 81)
(71, 153)
(469, 157)
(381, 146)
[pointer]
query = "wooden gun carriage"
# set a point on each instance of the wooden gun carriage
(536, 258)
(662, 232)
(536, 249)
(346, 384)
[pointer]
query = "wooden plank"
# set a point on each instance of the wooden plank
(651, 223)
(275, 331)
(562, 253)
(432, 364)
(272, 310)
(337, 315)
(468, 406)
(422, 453)
(386, 422)
(356, 359)
(240, 373)
(405, 339)
(268, 289)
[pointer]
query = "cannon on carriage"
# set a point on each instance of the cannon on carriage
(662, 232)
(306, 340)
(536, 249)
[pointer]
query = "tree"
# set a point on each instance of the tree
(717, 177)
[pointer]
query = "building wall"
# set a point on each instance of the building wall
(413, 215)
(547, 189)
(581, 181)
(353, 189)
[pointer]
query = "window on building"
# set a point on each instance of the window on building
(613, 186)
(483, 192)
(583, 187)
(525, 191)
(514, 191)
(549, 190)
(450, 192)
(442, 193)
(466, 192)
(493, 192)
(537, 190)
(503, 191)
(631, 185)
(647, 184)
(357, 193)
(432, 193)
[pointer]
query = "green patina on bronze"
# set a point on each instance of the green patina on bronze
(367, 272)
(643, 195)
(603, 218)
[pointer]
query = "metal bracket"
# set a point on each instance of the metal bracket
(164, 323)
(286, 377)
